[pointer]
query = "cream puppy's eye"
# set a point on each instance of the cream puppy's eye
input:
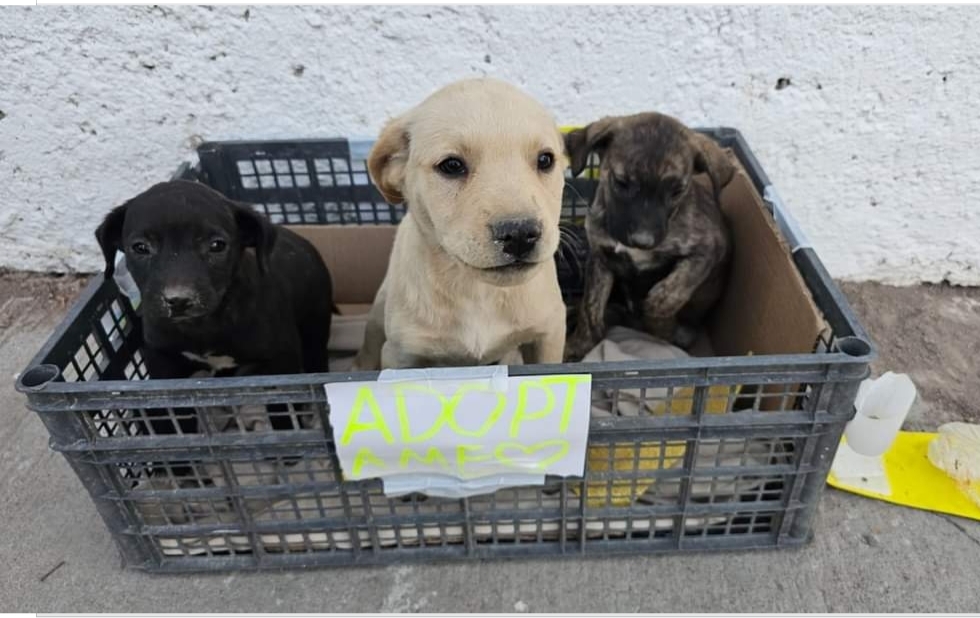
(546, 160)
(452, 167)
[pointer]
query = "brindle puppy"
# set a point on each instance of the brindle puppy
(655, 234)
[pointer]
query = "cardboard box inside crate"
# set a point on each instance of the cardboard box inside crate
(766, 308)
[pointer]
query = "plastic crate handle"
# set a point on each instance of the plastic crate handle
(787, 225)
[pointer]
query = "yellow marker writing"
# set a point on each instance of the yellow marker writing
(365, 399)
(447, 413)
(571, 381)
(502, 449)
(463, 457)
(432, 455)
(521, 414)
(365, 457)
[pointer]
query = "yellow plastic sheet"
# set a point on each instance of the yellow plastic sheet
(913, 481)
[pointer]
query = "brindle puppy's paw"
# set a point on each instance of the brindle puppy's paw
(685, 337)
(661, 328)
(578, 346)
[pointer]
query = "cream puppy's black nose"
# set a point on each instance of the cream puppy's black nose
(517, 237)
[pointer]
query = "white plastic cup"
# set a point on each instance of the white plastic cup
(882, 406)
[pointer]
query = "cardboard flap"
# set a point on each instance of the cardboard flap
(357, 256)
(766, 307)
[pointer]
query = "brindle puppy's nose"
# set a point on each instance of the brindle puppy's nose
(642, 240)
(517, 237)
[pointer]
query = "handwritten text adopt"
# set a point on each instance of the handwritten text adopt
(463, 428)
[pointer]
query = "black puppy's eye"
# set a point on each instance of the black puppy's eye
(217, 246)
(452, 167)
(679, 190)
(141, 248)
(546, 161)
(620, 181)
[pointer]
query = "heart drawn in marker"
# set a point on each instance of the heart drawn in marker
(518, 455)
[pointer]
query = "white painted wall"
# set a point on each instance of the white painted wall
(873, 145)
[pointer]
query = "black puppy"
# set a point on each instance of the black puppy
(660, 246)
(222, 289)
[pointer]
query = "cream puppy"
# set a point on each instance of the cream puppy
(472, 278)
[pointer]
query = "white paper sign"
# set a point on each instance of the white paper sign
(460, 424)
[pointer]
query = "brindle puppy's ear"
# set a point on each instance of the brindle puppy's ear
(387, 159)
(710, 158)
(580, 143)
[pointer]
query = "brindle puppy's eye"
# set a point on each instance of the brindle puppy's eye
(217, 246)
(141, 248)
(620, 182)
(452, 167)
(679, 189)
(546, 161)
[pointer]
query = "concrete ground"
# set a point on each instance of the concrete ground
(867, 556)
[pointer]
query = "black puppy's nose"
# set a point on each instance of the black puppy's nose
(517, 237)
(177, 303)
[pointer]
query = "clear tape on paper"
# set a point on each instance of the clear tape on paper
(787, 225)
(495, 375)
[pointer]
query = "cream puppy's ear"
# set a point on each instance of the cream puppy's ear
(387, 160)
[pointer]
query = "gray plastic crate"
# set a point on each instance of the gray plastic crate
(223, 497)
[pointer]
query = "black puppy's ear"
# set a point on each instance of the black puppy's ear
(711, 159)
(255, 230)
(109, 235)
(387, 159)
(580, 143)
